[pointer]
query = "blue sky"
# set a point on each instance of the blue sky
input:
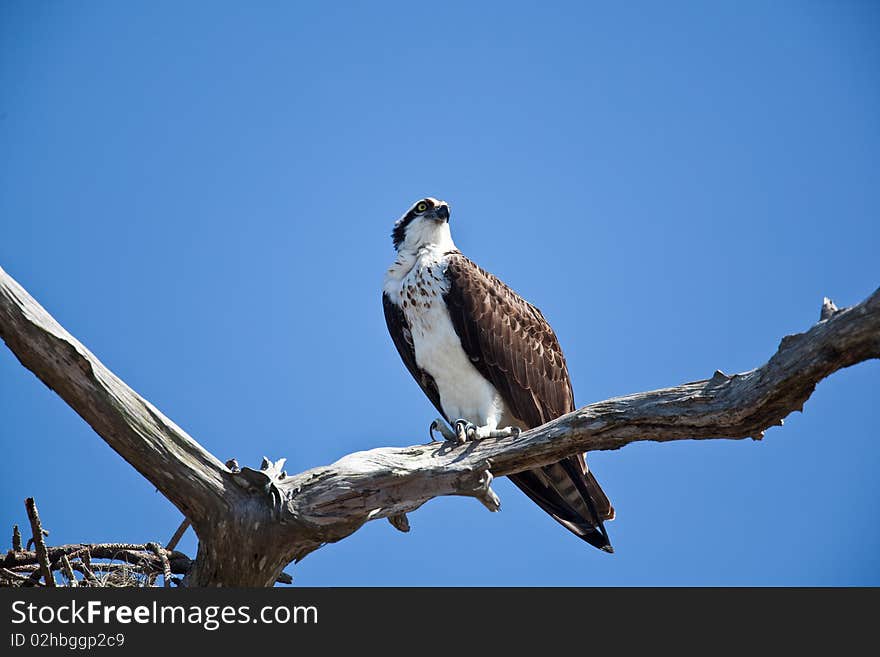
(203, 193)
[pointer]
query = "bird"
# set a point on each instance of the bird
(486, 359)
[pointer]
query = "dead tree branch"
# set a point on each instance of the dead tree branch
(175, 539)
(251, 523)
(39, 543)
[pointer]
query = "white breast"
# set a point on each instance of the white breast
(464, 392)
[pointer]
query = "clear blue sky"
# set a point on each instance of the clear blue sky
(203, 192)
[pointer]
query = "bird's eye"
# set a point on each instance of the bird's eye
(421, 206)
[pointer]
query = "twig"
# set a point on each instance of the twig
(15, 577)
(16, 539)
(67, 570)
(99, 567)
(131, 552)
(25, 568)
(75, 554)
(31, 539)
(178, 534)
(166, 566)
(39, 543)
(86, 567)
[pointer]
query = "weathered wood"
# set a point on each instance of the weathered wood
(17, 577)
(251, 523)
(130, 552)
(161, 451)
(175, 539)
(388, 482)
(189, 476)
(67, 569)
(39, 545)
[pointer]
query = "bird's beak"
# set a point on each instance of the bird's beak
(441, 213)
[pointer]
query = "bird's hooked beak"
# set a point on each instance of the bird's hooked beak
(439, 213)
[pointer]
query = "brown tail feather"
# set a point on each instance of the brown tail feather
(569, 492)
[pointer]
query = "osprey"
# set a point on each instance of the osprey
(487, 359)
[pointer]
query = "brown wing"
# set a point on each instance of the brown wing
(512, 345)
(398, 327)
(509, 342)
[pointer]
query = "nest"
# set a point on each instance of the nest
(90, 564)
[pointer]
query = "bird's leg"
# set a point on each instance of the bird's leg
(440, 425)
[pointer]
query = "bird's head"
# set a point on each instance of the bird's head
(426, 223)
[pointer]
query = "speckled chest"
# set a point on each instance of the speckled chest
(464, 392)
(421, 294)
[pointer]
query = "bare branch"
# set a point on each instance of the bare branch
(39, 543)
(175, 539)
(21, 580)
(85, 567)
(156, 447)
(390, 481)
(251, 523)
(131, 552)
(68, 570)
(163, 557)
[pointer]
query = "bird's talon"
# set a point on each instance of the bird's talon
(440, 426)
(464, 430)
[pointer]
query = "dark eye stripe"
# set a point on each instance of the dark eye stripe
(399, 231)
